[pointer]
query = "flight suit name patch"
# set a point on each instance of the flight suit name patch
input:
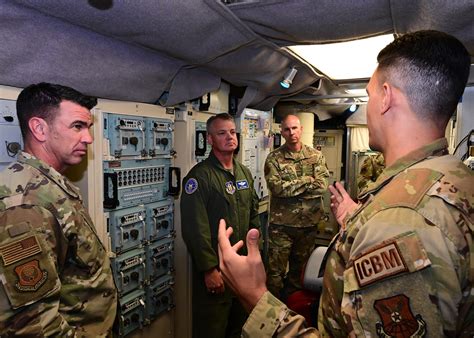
(242, 184)
(30, 276)
(378, 264)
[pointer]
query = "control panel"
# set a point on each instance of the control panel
(201, 147)
(137, 200)
(11, 141)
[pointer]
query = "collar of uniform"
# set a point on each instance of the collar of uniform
(50, 172)
(436, 148)
(296, 155)
(218, 164)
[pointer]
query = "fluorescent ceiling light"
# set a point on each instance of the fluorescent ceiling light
(345, 60)
(360, 93)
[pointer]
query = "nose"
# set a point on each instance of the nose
(87, 137)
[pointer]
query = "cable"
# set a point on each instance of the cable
(468, 136)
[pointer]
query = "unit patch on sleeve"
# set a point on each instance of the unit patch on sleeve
(191, 186)
(30, 276)
(398, 319)
(21, 249)
(379, 264)
(242, 184)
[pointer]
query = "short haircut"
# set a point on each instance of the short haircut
(43, 100)
(221, 116)
(431, 68)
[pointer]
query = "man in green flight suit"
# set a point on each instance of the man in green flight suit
(55, 275)
(217, 188)
(402, 264)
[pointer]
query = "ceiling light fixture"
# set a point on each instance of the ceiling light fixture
(288, 79)
(356, 59)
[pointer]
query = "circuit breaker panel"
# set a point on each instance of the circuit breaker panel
(255, 145)
(139, 209)
(10, 136)
(201, 147)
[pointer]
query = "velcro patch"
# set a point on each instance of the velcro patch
(191, 186)
(242, 184)
(21, 249)
(378, 264)
(30, 276)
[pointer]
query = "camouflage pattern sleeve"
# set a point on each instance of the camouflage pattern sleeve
(370, 170)
(284, 182)
(320, 175)
(411, 269)
(272, 318)
(30, 286)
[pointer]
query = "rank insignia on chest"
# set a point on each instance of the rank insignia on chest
(242, 184)
(30, 276)
(230, 187)
(191, 186)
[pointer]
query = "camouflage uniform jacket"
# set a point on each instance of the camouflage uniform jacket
(370, 170)
(55, 274)
(402, 266)
(297, 181)
(212, 193)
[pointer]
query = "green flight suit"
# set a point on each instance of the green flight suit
(212, 193)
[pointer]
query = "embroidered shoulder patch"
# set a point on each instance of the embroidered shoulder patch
(242, 184)
(398, 319)
(30, 276)
(191, 186)
(378, 264)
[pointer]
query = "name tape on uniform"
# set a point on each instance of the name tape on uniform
(242, 184)
(379, 264)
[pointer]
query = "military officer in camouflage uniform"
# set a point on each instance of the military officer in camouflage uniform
(217, 188)
(296, 176)
(402, 264)
(370, 170)
(55, 276)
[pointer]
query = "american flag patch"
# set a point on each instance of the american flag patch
(19, 250)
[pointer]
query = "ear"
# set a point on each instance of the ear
(209, 139)
(38, 128)
(387, 99)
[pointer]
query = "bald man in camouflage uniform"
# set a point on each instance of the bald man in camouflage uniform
(55, 276)
(370, 170)
(402, 264)
(296, 176)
